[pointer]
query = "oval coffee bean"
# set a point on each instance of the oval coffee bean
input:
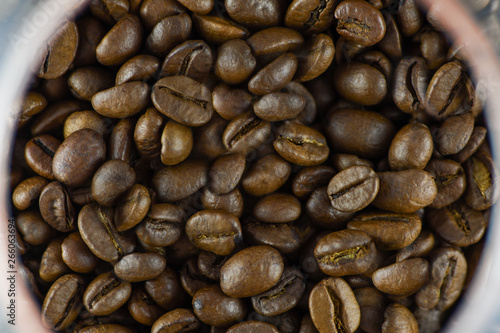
(39, 154)
(168, 33)
(255, 14)
(333, 306)
(111, 180)
(309, 179)
(274, 76)
(77, 255)
(266, 175)
(153, 11)
(162, 226)
(450, 180)
(192, 58)
(56, 207)
(310, 17)
(28, 192)
(235, 62)
(284, 237)
(229, 102)
(105, 294)
(411, 78)
(178, 320)
(422, 246)
(231, 202)
(454, 133)
(353, 189)
(121, 141)
(85, 82)
(277, 208)
(301, 144)
(132, 207)
(402, 278)
(315, 58)
(481, 173)
(217, 30)
(136, 267)
(77, 158)
(253, 326)
(345, 252)
(319, 208)
(176, 143)
(279, 106)
(251, 271)
(399, 319)
(226, 172)
(142, 308)
(52, 265)
(245, 133)
(411, 148)
(86, 119)
(405, 191)
(139, 68)
(122, 101)
(215, 231)
(147, 133)
(166, 289)
(33, 229)
(183, 99)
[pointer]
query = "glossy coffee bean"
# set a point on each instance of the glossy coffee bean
(230, 103)
(274, 76)
(372, 304)
(344, 161)
(255, 14)
(191, 277)
(454, 133)
(111, 180)
(53, 117)
(139, 68)
(450, 180)
(209, 264)
(411, 78)
(231, 202)
(153, 11)
(411, 148)
(277, 208)
(333, 306)
(402, 278)
(192, 58)
(78, 157)
(52, 265)
(147, 133)
(86, 119)
(56, 207)
(353, 189)
(251, 271)
(105, 294)
(226, 172)
(136, 267)
(319, 208)
(168, 33)
(32, 104)
(279, 106)
(122, 101)
(267, 175)
(85, 82)
(166, 289)
(105, 328)
(178, 320)
(315, 58)
(253, 326)
(481, 173)
(132, 207)
(142, 308)
(33, 229)
(76, 255)
(39, 154)
(245, 133)
(216, 231)
(217, 30)
(309, 17)
(176, 143)
(90, 32)
(28, 192)
(162, 226)
(311, 178)
(235, 62)
(399, 319)
(422, 246)
(476, 140)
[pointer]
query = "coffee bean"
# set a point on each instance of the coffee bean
(110, 11)
(142, 308)
(345, 252)
(315, 58)
(121, 141)
(168, 33)
(253, 326)
(90, 32)
(328, 304)
(178, 320)
(162, 226)
(481, 173)
(399, 319)
(33, 228)
(192, 58)
(402, 278)
(235, 62)
(132, 207)
(310, 17)
(166, 289)
(39, 153)
(287, 322)
(139, 68)
(409, 17)
(105, 294)
(372, 304)
(411, 78)
(255, 14)
(344, 161)
(231, 202)
(33, 104)
(122, 101)
(308, 115)
(353, 189)
(86, 119)
(147, 133)
(274, 76)
(251, 271)
(192, 279)
(52, 265)
(230, 103)
(266, 175)
(217, 30)
(411, 148)
(136, 267)
(176, 143)
(279, 106)
(56, 207)
(226, 172)
(209, 264)
(245, 133)
(87, 81)
(76, 255)
(111, 180)
(28, 192)
(319, 208)
(53, 117)
(391, 44)
(199, 7)
(309, 179)
(153, 11)
(271, 42)
(209, 138)
(450, 180)
(183, 99)
(454, 133)
(277, 208)
(419, 248)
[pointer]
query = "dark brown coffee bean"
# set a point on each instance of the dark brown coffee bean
(231, 202)
(226, 172)
(399, 319)
(458, 224)
(448, 269)
(319, 208)
(147, 134)
(454, 133)
(266, 175)
(391, 44)
(216, 231)
(360, 22)
(315, 58)
(62, 302)
(310, 17)
(253, 326)
(433, 47)
(390, 231)
(105, 294)
(344, 161)
(345, 252)
(402, 278)
(405, 191)
(100, 328)
(374, 132)
(308, 115)
(111, 180)
(122, 101)
(168, 33)
(411, 78)
(136, 267)
(90, 33)
(419, 248)
(121, 43)
(279, 106)
(450, 180)
(162, 226)
(142, 308)
(255, 14)
(230, 103)
(176, 321)
(51, 119)
(32, 104)
(235, 62)
(96, 227)
(28, 192)
(476, 140)
(251, 271)
(78, 157)
(411, 147)
(274, 76)
(52, 265)
(86, 119)
(372, 304)
(77, 255)
(192, 58)
(277, 208)
(60, 51)
(177, 182)
(353, 189)
(80, 195)
(183, 99)
(199, 7)
(245, 133)
(217, 30)
(109, 11)
(85, 82)
(282, 297)
(121, 141)
(192, 279)
(176, 143)
(166, 289)
(39, 153)
(209, 264)
(272, 42)
(132, 207)
(56, 207)
(311, 178)
(33, 228)
(139, 68)
(153, 11)
(409, 17)
(481, 174)
(328, 304)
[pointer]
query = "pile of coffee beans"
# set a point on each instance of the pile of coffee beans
(251, 166)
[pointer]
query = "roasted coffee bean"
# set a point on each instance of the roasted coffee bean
(476, 140)
(192, 279)
(253, 326)
(279, 106)
(411, 148)
(450, 180)
(208, 138)
(311, 178)
(178, 320)
(390, 231)
(251, 271)
(51, 119)
(106, 328)
(230, 103)
(481, 175)
(162, 226)
(217, 30)
(411, 79)
(372, 304)
(121, 141)
(32, 104)
(132, 207)
(199, 7)
(78, 157)
(153, 11)
(402, 278)
(176, 143)
(391, 44)
(319, 208)
(360, 22)
(374, 132)
(454, 133)
(56, 207)
(139, 68)
(147, 133)
(122, 101)
(80, 195)
(282, 297)
(52, 265)
(245, 133)
(409, 17)
(422, 246)
(192, 58)
(310, 17)
(448, 269)
(254, 13)
(226, 172)
(97, 229)
(86, 119)
(33, 228)
(344, 161)
(63, 302)
(274, 76)
(267, 175)
(90, 33)
(315, 58)
(231, 202)
(235, 62)
(39, 154)
(111, 180)
(277, 208)
(209, 264)
(60, 51)
(399, 319)
(271, 42)
(136, 267)
(216, 231)
(85, 82)
(142, 308)
(353, 189)
(168, 33)
(166, 289)
(433, 47)
(345, 252)
(183, 99)
(458, 224)
(109, 11)
(308, 115)
(121, 43)
(105, 294)
(405, 191)
(177, 182)
(76, 255)
(28, 192)
(333, 306)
